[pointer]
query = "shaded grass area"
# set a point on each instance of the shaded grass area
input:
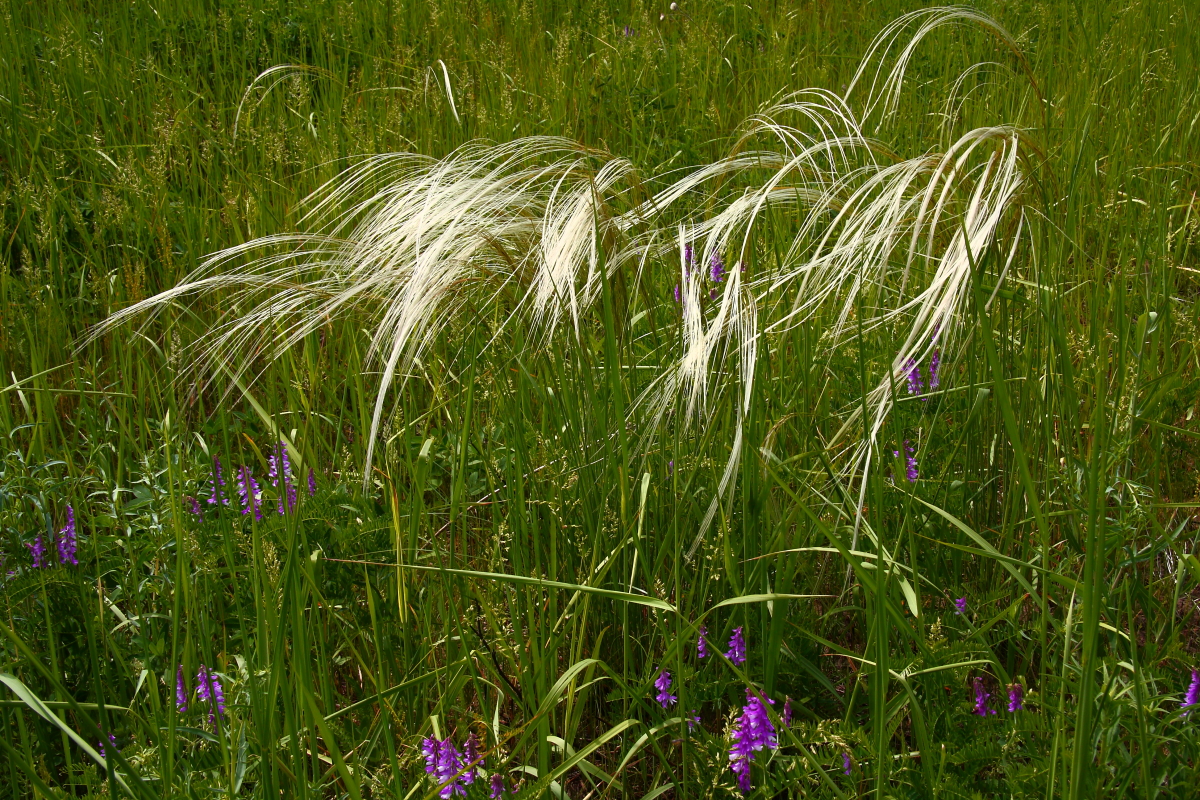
(516, 564)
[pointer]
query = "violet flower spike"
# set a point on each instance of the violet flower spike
(38, 550)
(474, 760)
(1016, 697)
(312, 483)
(913, 373)
(281, 470)
(737, 647)
(693, 720)
(981, 698)
(112, 742)
(497, 778)
(716, 268)
(249, 492)
(180, 691)
(1192, 696)
(432, 749)
(663, 684)
(935, 362)
(702, 642)
(754, 731)
(209, 691)
(787, 712)
(448, 764)
(218, 484)
(677, 296)
(846, 763)
(910, 461)
(193, 506)
(960, 606)
(67, 540)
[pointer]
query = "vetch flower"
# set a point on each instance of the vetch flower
(208, 690)
(1192, 696)
(702, 642)
(38, 550)
(787, 712)
(312, 483)
(112, 742)
(910, 462)
(677, 296)
(180, 691)
(66, 540)
(281, 471)
(981, 698)
(753, 732)
(663, 684)
(249, 492)
(716, 268)
(693, 720)
(448, 764)
(934, 363)
(846, 762)
(960, 606)
(474, 760)
(913, 373)
(1016, 697)
(218, 485)
(431, 748)
(737, 647)
(193, 505)
(497, 779)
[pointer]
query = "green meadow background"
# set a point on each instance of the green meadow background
(516, 564)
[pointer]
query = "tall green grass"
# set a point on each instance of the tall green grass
(531, 541)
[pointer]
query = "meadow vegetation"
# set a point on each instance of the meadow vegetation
(600, 399)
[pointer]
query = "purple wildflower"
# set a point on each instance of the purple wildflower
(629, 31)
(671, 467)
(448, 764)
(753, 732)
(702, 642)
(787, 712)
(474, 760)
(193, 505)
(712, 294)
(934, 363)
(112, 742)
(960, 606)
(209, 691)
(1016, 697)
(913, 374)
(981, 698)
(716, 268)
(693, 720)
(312, 483)
(180, 691)
(497, 778)
(737, 647)
(67, 541)
(689, 256)
(1192, 697)
(846, 762)
(38, 550)
(910, 462)
(218, 485)
(281, 470)
(663, 684)
(432, 749)
(248, 489)
(678, 298)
